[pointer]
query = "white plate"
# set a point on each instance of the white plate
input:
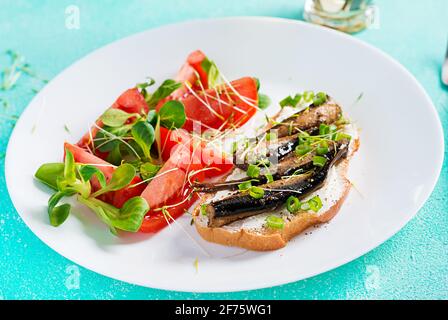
(394, 172)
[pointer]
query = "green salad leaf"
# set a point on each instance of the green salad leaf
(49, 173)
(69, 168)
(115, 157)
(144, 88)
(152, 117)
(116, 117)
(165, 89)
(144, 85)
(58, 214)
(121, 177)
(128, 218)
(88, 171)
(212, 72)
(257, 82)
(61, 177)
(148, 170)
(263, 101)
(143, 134)
(172, 114)
(69, 178)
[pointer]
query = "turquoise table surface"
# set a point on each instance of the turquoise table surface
(413, 264)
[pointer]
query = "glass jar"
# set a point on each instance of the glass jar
(344, 15)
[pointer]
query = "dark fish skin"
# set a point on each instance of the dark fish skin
(285, 147)
(288, 166)
(309, 119)
(292, 163)
(242, 205)
(274, 153)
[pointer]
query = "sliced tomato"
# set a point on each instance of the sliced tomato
(216, 163)
(185, 74)
(171, 138)
(83, 156)
(202, 156)
(171, 185)
(223, 107)
(166, 185)
(195, 59)
(154, 221)
(115, 198)
(173, 178)
(86, 139)
(187, 157)
(118, 198)
(179, 147)
(189, 72)
(130, 101)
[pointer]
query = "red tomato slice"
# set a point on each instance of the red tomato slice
(130, 101)
(172, 179)
(217, 163)
(170, 188)
(155, 220)
(82, 156)
(86, 139)
(185, 74)
(118, 198)
(187, 157)
(195, 60)
(189, 73)
(206, 156)
(171, 138)
(166, 185)
(222, 107)
(115, 198)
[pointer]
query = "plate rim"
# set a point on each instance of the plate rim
(273, 283)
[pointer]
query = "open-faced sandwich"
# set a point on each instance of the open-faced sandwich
(155, 154)
(288, 178)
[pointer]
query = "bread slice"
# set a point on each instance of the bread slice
(250, 233)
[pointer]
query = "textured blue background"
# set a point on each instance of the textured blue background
(413, 264)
